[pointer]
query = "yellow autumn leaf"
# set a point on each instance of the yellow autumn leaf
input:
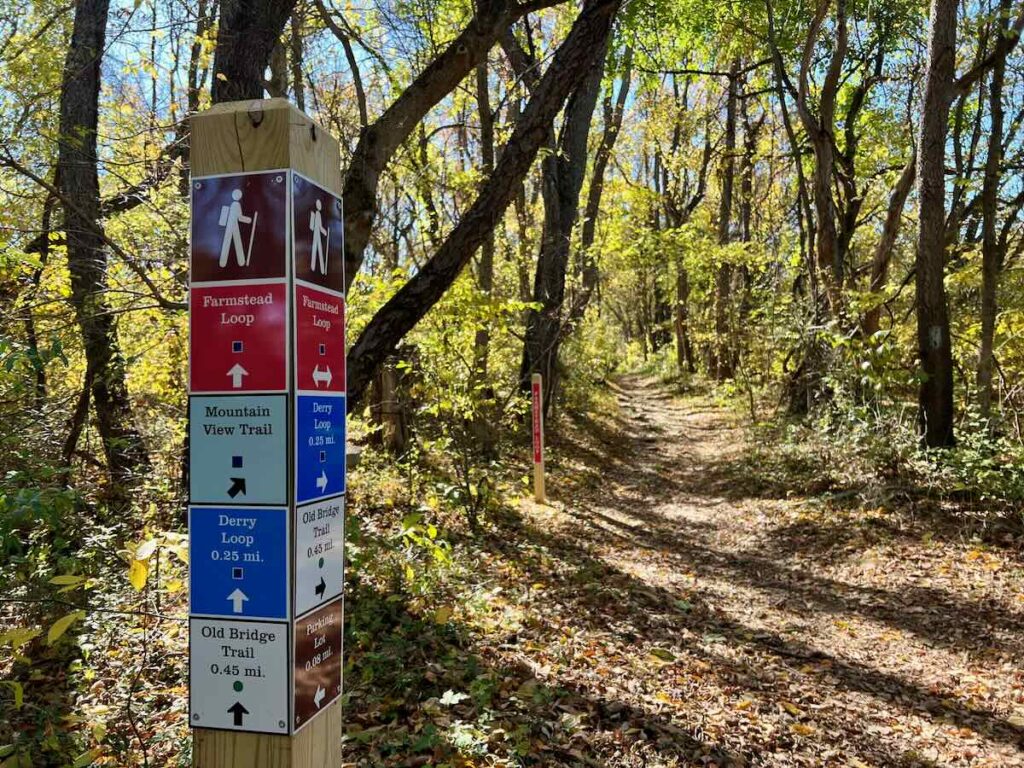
(62, 625)
(138, 571)
(66, 580)
(792, 708)
(661, 655)
(802, 729)
(442, 614)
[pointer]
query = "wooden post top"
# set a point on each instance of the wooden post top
(264, 135)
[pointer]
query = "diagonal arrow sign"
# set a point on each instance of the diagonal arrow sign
(237, 487)
(321, 588)
(238, 711)
(322, 376)
(236, 372)
(318, 697)
(237, 598)
(321, 482)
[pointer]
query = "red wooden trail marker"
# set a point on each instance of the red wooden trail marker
(538, 438)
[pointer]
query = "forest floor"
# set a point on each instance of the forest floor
(677, 605)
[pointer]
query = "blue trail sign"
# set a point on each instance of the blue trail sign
(239, 562)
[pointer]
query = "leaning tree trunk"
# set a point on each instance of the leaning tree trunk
(574, 58)
(562, 175)
(87, 258)
(883, 249)
(933, 341)
(379, 141)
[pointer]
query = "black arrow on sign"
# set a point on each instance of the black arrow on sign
(321, 588)
(237, 487)
(238, 710)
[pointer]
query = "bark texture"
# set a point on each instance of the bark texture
(78, 177)
(722, 355)
(992, 251)
(936, 391)
(562, 173)
(248, 33)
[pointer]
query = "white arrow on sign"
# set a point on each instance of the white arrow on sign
(237, 598)
(236, 373)
(324, 376)
(321, 482)
(319, 695)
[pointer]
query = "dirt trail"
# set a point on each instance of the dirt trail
(705, 619)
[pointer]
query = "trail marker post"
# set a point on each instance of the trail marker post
(266, 439)
(536, 384)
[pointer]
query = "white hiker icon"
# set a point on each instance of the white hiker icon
(318, 253)
(232, 219)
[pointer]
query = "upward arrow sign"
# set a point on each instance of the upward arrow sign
(236, 372)
(237, 598)
(238, 711)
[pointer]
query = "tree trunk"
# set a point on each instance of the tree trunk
(378, 143)
(612, 126)
(883, 249)
(485, 268)
(721, 358)
(87, 258)
(482, 426)
(249, 30)
(562, 173)
(684, 350)
(295, 60)
(573, 59)
(991, 249)
(934, 344)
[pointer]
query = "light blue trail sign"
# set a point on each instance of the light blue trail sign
(238, 448)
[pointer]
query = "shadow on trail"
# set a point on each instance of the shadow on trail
(640, 614)
(636, 612)
(933, 614)
(394, 714)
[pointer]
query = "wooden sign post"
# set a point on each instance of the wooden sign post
(538, 438)
(266, 439)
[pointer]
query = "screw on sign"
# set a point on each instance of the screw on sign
(238, 227)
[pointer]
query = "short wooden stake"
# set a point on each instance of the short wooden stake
(536, 387)
(245, 137)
